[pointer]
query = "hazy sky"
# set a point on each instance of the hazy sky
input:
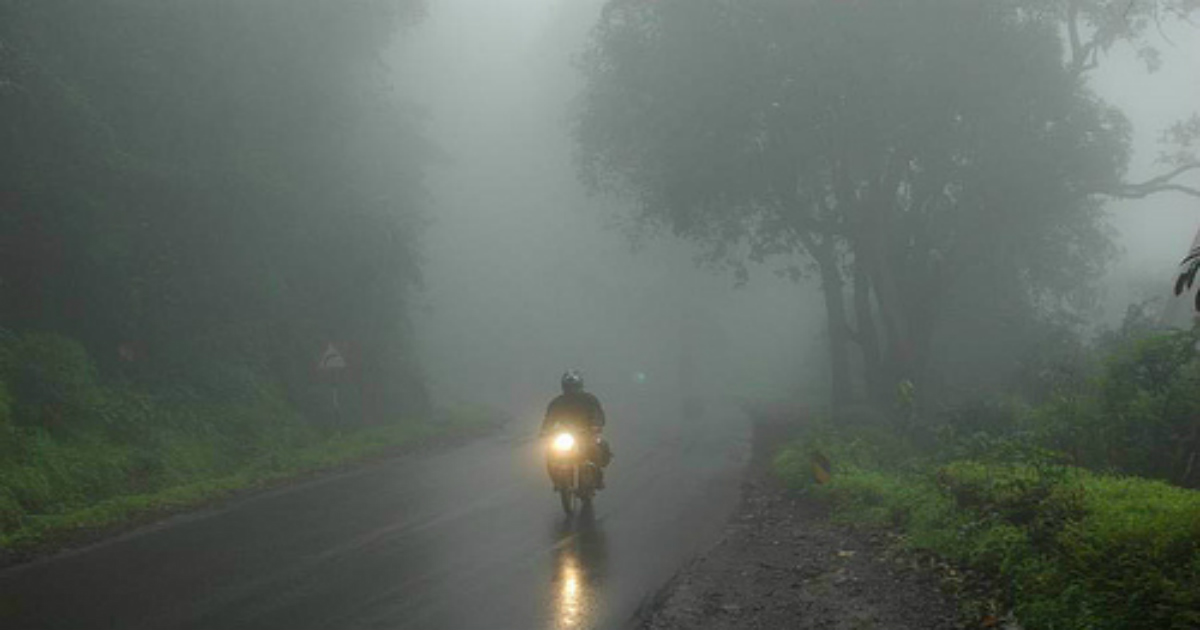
(1155, 232)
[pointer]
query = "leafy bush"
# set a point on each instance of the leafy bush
(1040, 498)
(1039, 495)
(793, 465)
(53, 381)
(985, 415)
(8, 432)
(1061, 359)
(1141, 415)
(1134, 557)
(75, 451)
(861, 446)
(1079, 550)
(8, 342)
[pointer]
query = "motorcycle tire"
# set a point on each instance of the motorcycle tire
(587, 484)
(567, 500)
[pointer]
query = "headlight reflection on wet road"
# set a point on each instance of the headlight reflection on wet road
(579, 567)
(568, 600)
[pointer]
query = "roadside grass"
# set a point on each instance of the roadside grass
(1074, 549)
(53, 490)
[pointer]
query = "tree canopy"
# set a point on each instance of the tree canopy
(936, 163)
(189, 187)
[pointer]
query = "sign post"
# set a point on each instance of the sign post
(333, 365)
(332, 358)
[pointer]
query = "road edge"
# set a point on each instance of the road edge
(158, 517)
(768, 427)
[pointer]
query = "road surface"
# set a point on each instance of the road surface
(461, 539)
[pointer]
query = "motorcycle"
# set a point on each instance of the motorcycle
(570, 457)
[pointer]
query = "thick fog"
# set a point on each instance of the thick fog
(525, 275)
(1155, 232)
(887, 250)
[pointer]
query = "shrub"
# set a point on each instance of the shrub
(854, 447)
(77, 452)
(8, 342)
(1135, 555)
(793, 465)
(8, 432)
(53, 381)
(1140, 415)
(1080, 551)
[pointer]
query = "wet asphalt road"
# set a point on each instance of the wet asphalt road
(469, 538)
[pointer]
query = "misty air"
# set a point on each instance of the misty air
(600, 314)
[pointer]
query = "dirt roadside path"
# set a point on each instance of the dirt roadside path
(782, 564)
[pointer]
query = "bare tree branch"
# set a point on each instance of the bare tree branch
(1162, 183)
(1158, 24)
(1135, 193)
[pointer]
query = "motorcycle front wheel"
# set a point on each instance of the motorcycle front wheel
(566, 495)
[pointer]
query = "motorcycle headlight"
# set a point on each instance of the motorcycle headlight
(564, 442)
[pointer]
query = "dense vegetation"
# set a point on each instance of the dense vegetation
(197, 199)
(1074, 501)
(941, 166)
(1071, 549)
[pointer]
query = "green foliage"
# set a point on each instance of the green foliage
(880, 498)
(1000, 487)
(1139, 415)
(53, 381)
(1190, 265)
(1077, 550)
(55, 487)
(793, 465)
(8, 431)
(1134, 556)
(1125, 558)
(197, 197)
(1041, 500)
(76, 451)
(1059, 359)
(867, 445)
(928, 156)
(201, 195)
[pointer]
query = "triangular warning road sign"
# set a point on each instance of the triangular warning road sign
(331, 359)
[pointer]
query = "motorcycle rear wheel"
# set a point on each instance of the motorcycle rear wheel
(567, 497)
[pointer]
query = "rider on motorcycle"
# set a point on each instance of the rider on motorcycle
(580, 410)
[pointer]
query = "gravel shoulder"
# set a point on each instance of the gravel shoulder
(782, 563)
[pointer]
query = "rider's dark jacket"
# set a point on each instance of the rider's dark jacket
(574, 409)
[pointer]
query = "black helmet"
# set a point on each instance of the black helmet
(572, 381)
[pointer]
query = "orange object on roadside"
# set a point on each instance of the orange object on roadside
(822, 469)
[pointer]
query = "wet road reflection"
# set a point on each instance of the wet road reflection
(580, 561)
(467, 539)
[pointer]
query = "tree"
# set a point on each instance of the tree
(1094, 28)
(934, 161)
(223, 185)
(1189, 267)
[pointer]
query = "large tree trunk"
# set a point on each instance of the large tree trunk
(892, 358)
(873, 254)
(842, 389)
(868, 337)
(868, 239)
